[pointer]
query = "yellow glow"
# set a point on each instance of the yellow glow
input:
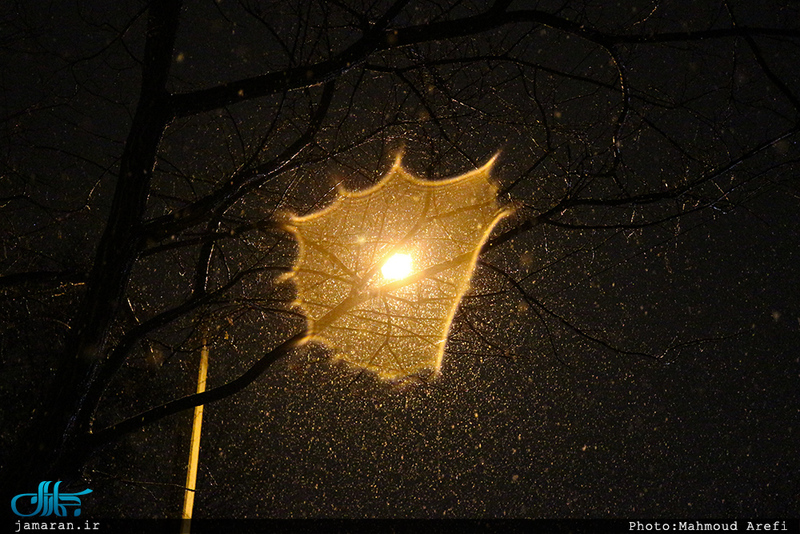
(397, 267)
(380, 272)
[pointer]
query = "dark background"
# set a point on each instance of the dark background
(631, 357)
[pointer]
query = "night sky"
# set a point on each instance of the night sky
(629, 344)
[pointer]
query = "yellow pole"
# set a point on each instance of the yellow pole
(194, 453)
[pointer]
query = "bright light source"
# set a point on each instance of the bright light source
(397, 267)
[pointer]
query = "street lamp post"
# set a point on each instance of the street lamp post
(194, 451)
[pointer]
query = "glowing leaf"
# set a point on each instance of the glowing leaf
(380, 272)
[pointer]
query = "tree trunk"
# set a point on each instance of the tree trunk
(55, 447)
